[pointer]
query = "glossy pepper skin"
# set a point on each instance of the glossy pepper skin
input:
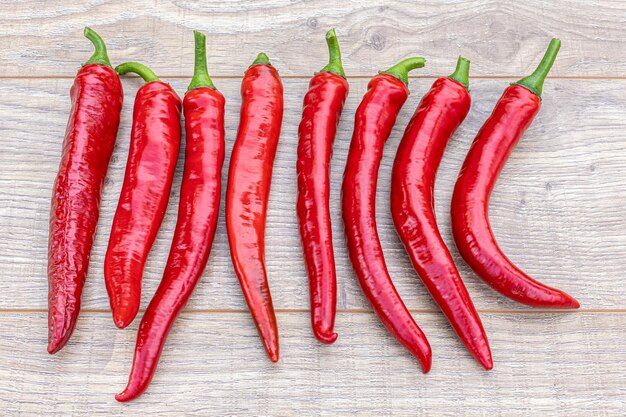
(374, 119)
(249, 178)
(322, 108)
(419, 154)
(89, 140)
(198, 210)
(154, 145)
(470, 201)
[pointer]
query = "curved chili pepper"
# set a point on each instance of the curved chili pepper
(419, 154)
(154, 144)
(198, 211)
(470, 201)
(89, 140)
(322, 108)
(249, 178)
(374, 119)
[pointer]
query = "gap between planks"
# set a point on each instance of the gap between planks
(344, 311)
(308, 77)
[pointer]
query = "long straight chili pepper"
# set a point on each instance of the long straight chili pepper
(89, 140)
(322, 108)
(198, 211)
(438, 115)
(154, 144)
(249, 178)
(374, 119)
(470, 201)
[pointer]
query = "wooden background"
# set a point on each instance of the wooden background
(558, 210)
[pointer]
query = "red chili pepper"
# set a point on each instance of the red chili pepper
(87, 148)
(438, 115)
(374, 120)
(470, 202)
(249, 179)
(154, 144)
(198, 211)
(322, 108)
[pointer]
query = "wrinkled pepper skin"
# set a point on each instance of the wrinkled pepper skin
(322, 108)
(374, 120)
(470, 202)
(419, 154)
(249, 178)
(154, 146)
(87, 148)
(197, 219)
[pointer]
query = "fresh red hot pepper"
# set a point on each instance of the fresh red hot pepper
(198, 210)
(87, 148)
(249, 178)
(438, 115)
(470, 201)
(154, 144)
(322, 108)
(374, 119)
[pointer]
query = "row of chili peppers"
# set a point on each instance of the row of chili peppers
(155, 140)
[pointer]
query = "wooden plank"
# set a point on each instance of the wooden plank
(556, 210)
(213, 364)
(501, 37)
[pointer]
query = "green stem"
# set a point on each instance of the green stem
(534, 82)
(200, 73)
(402, 68)
(334, 62)
(261, 59)
(100, 55)
(139, 69)
(461, 73)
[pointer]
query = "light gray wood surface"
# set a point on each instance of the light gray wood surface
(501, 37)
(546, 364)
(558, 211)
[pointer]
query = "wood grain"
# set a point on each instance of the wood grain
(555, 210)
(546, 364)
(500, 37)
